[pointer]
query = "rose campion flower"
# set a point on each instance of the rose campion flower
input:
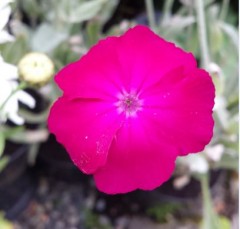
(129, 107)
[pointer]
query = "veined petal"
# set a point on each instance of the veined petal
(145, 57)
(130, 106)
(137, 159)
(83, 79)
(181, 104)
(134, 61)
(86, 128)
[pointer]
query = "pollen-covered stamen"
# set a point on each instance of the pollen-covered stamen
(129, 103)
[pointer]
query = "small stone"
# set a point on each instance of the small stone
(122, 222)
(73, 220)
(104, 220)
(100, 205)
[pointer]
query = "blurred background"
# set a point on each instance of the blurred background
(40, 188)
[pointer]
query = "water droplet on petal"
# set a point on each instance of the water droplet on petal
(84, 160)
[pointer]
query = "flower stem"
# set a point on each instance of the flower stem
(210, 220)
(202, 33)
(167, 9)
(21, 86)
(150, 13)
(224, 10)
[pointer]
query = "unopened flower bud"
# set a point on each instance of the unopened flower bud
(36, 69)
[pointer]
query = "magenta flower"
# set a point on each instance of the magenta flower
(130, 107)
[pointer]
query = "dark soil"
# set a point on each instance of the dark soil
(61, 204)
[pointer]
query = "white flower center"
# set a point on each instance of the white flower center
(129, 103)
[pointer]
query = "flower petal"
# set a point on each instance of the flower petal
(26, 99)
(145, 57)
(130, 107)
(5, 13)
(86, 129)
(6, 37)
(137, 159)
(181, 104)
(82, 79)
(8, 71)
(132, 62)
(15, 118)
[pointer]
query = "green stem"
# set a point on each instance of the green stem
(209, 216)
(32, 153)
(202, 33)
(56, 20)
(21, 86)
(150, 14)
(189, 30)
(34, 147)
(167, 9)
(224, 10)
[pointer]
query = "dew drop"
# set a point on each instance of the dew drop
(84, 160)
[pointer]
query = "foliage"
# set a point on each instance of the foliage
(5, 224)
(92, 221)
(162, 211)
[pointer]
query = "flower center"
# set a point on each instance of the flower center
(129, 103)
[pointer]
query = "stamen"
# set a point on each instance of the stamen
(129, 103)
